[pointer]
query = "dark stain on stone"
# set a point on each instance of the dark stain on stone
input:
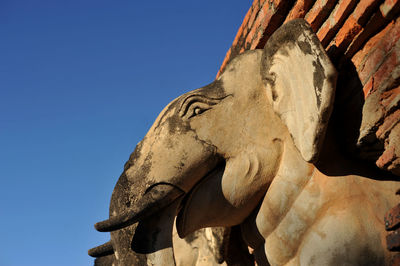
(274, 93)
(145, 169)
(364, 256)
(191, 237)
(145, 238)
(305, 47)
(125, 194)
(318, 80)
(169, 109)
(212, 90)
(128, 191)
(134, 155)
(181, 165)
(285, 37)
(269, 78)
(175, 122)
(105, 261)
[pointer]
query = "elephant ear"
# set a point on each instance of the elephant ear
(300, 82)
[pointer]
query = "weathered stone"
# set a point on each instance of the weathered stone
(392, 218)
(237, 153)
(330, 27)
(319, 12)
(314, 83)
(299, 10)
(393, 240)
(390, 159)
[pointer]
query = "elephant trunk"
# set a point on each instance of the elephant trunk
(102, 250)
(154, 200)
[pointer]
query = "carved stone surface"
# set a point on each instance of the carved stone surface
(237, 153)
(362, 40)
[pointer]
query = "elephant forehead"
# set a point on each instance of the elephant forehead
(242, 75)
(170, 114)
(168, 119)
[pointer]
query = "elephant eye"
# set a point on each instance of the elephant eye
(197, 111)
(195, 105)
(197, 108)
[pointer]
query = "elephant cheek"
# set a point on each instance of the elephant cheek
(153, 237)
(206, 206)
(121, 241)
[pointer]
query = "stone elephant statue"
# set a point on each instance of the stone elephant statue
(256, 149)
(206, 246)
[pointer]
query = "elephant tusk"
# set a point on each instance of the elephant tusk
(102, 250)
(158, 197)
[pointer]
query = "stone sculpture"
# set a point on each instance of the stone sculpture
(255, 148)
(203, 247)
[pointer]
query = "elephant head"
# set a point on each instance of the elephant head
(211, 154)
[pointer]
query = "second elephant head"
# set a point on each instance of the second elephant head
(216, 149)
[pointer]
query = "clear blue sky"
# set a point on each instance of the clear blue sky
(80, 84)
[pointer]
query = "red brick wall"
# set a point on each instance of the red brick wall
(362, 40)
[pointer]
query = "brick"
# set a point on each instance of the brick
(250, 35)
(235, 48)
(252, 18)
(386, 158)
(238, 41)
(319, 12)
(392, 37)
(274, 15)
(277, 3)
(390, 99)
(226, 60)
(247, 17)
(256, 6)
(386, 39)
(299, 9)
(344, 7)
(324, 31)
(331, 26)
(228, 55)
(382, 71)
(375, 49)
(354, 23)
(267, 10)
(380, 19)
(392, 218)
(260, 18)
(218, 73)
(258, 30)
(238, 35)
(393, 241)
(364, 9)
(346, 34)
(245, 31)
(368, 87)
(256, 40)
(395, 260)
(389, 123)
(390, 8)
(361, 55)
(374, 25)
(393, 140)
(386, 68)
(371, 64)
